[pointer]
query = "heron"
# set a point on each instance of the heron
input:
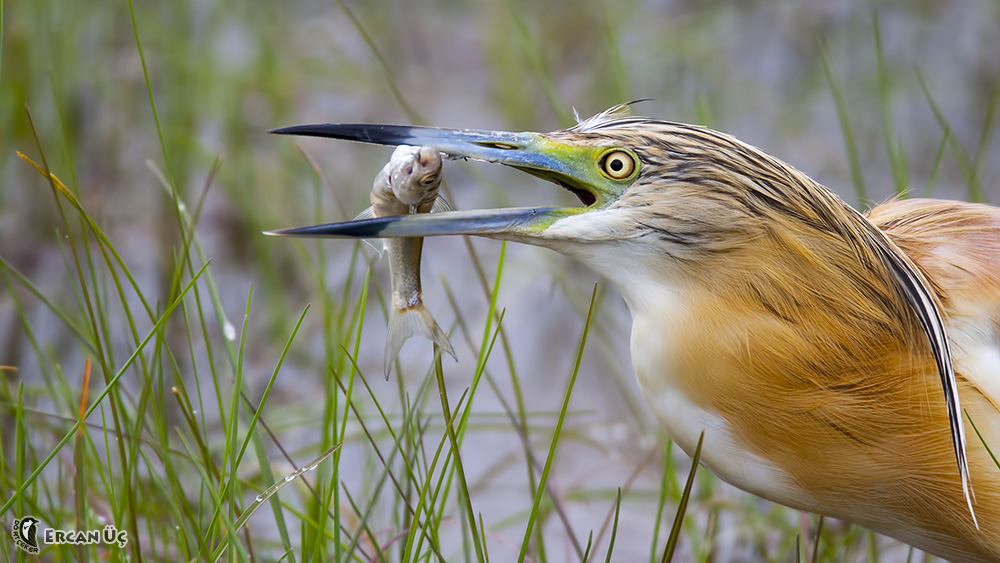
(839, 362)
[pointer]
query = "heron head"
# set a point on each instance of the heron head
(647, 187)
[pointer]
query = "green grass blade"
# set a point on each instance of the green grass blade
(407, 464)
(556, 433)
(1, 38)
(271, 491)
(446, 410)
(897, 160)
(981, 439)
(240, 551)
(675, 531)
(662, 499)
(986, 136)
(104, 393)
(270, 383)
(81, 335)
(20, 447)
(484, 350)
(618, 84)
(935, 167)
(872, 546)
(845, 127)
(614, 527)
(232, 435)
(966, 167)
(590, 544)
(408, 418)
(819, 535)
(538, 63)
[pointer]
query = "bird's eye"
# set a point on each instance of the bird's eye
(428, 179)
(618, 165)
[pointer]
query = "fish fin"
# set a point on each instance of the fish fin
(409, 322)
(378, 245)
(366, 214)
(440, 204)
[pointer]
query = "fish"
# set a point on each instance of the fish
(409, 183)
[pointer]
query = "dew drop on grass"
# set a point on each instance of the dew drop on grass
(181, 207)
(229, 331)
(260, 498)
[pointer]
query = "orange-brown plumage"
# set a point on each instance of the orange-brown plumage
(957, 245)
(796, 334)
(842, 395)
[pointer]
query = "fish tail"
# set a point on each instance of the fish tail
(404, 323)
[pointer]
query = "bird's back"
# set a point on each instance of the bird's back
(818, 394)
(957, 245)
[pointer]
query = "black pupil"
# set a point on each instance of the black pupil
(616, 164)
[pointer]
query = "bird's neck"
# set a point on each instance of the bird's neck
(743, 347)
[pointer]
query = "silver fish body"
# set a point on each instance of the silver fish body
(409, 183)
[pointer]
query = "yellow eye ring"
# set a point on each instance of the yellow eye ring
(618, 164)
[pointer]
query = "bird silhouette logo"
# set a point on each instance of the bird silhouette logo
(24, 532)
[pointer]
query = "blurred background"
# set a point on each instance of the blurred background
(867, 98)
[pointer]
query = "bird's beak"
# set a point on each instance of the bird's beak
(569, 165)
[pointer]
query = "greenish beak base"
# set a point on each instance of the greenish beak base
(530, 152)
